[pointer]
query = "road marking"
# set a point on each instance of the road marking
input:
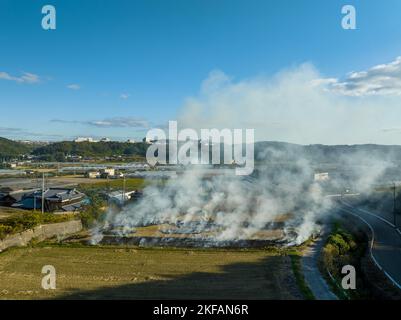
(371, 247)
(370, 213)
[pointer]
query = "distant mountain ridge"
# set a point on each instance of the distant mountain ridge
(326, 153)
(58, 150)
(11, 149)
(264, 150)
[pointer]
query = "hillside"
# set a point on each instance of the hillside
(11, 149)
(265, 151)
(57, 150)
(318, 153)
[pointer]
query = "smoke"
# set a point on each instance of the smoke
(225, 207)
(295, 105)
(291, 106)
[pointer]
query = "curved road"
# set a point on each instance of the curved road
(386, 244)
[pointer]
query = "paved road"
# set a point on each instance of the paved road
(386, 248)
(312, 275)
(27, 183)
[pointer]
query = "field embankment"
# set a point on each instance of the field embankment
(40, 233)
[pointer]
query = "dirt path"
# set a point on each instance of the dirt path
(312, 275)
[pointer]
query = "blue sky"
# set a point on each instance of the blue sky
(114, 68)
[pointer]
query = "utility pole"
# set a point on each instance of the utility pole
(394, 206)
(43, 192)
(124, 191)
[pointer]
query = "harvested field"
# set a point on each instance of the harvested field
(144, 273)
(196, 232)
(6, 212)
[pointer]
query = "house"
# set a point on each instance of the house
(321, 176)
(9, 196)
(119, 197)
(92, 174)
(106, 172)
(117, 175)
(72, 157)
(55, 199)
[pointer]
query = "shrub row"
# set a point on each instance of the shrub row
(29, 220)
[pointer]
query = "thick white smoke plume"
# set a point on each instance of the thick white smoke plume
(292, 106)
(296, 105)
(231, 207)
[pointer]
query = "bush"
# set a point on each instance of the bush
(29, 220)
(5, 230)
(330, 254)
(23, 221)
(339, 250)
(48, 217)
(341, 243)
(93, 211)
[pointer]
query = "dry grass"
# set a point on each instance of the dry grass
(156, 231)
(133, 273)
(6, 212)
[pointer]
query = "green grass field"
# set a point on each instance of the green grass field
(130, 184)
(145, 273)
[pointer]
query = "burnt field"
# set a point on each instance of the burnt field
(195, 233)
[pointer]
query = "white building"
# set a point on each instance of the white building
(84, 139)
(106, 172)
(120, 197)
(93, 174)
(321, 176)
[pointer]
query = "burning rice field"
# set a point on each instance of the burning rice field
(196, 210)
(197, 233)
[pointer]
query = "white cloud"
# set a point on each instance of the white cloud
(7, 130)
(124, 96)
(26, 77)
(380, 80)
(296, 106)
(19, 133)
(74, 86)
(117, 122)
